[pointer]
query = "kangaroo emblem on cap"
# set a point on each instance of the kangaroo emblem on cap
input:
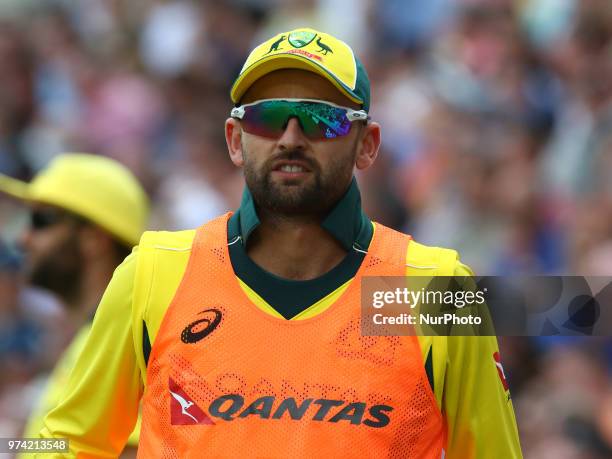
(274, 46)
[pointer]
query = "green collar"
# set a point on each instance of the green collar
(346, 222)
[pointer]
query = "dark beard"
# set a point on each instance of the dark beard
(315, 197)
(61, 271)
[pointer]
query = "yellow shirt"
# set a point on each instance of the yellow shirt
(100, 405)
(54, 389)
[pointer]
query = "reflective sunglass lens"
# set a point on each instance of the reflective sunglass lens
(317, 120)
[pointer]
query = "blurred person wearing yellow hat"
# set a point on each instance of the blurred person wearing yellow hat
(86, 213)
(242, 337)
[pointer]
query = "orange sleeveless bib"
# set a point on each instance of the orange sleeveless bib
(226, 379)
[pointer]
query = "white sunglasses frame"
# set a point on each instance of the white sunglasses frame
(351, 114)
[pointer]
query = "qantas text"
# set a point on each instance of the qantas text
(233, 406)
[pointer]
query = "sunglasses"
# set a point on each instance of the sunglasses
(41, 219)
(318, 119)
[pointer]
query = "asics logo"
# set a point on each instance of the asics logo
(194, 332)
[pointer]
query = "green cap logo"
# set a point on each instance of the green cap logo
(301, 38)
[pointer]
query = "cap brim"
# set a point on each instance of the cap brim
(14, 187)
(283, 61)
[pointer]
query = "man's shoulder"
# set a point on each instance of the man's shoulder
(172, 241)
(161, 260)
(177, 241)
(443, 260)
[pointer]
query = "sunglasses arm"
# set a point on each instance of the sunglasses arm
(357, 115)
(237, 112)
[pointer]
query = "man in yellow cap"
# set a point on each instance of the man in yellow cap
(86, 213)
(242, 337)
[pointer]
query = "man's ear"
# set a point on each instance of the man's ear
(369, 144)
(233, 138)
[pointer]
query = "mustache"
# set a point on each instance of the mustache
(293, 155)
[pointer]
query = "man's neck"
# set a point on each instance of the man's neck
(296, 248)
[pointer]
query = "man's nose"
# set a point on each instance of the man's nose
(293, 137)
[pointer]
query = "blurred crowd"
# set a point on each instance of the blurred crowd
(497, 141)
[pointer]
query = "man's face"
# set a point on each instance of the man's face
(53, 258)
(295, 175)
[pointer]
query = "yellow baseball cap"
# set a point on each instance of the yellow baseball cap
(311, 50)
(94, 187)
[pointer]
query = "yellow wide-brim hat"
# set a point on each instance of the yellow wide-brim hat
(96, 188)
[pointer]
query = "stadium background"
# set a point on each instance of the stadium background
(497, 141)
